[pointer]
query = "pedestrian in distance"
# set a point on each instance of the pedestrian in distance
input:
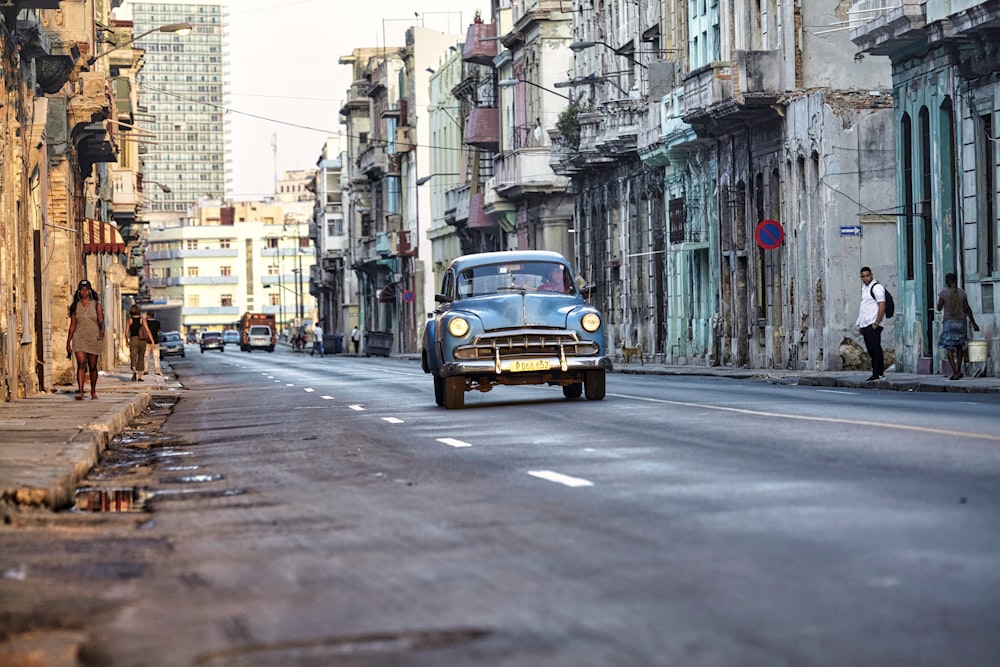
(317, 333)
(86, 336)
(356, 338)
(154, 346)
(139, 337)
(870, 314)
(953, 303)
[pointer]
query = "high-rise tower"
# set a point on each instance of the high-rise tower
(181, 90)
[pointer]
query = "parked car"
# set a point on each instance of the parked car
(212, 340)
(231, 337)
(513, 318)
(171, 344)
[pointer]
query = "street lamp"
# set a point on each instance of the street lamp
(428, 177)
(179, 28)
(508, 83)
(583, 44)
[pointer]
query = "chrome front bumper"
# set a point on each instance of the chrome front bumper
(503, 366)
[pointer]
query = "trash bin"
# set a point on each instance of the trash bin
(378, 343)
(333, 343)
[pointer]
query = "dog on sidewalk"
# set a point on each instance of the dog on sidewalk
(629, 352)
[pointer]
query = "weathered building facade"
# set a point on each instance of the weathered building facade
(695, 128)
(945, 60)
(70, 181)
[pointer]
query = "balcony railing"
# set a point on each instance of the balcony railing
(881, 26)
(526, 171)
(372, 161)
(619, 127)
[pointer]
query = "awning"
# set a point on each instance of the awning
(101, 238)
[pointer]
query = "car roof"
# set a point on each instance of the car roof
(482, 258)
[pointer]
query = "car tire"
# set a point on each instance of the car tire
(438, 390)
(574, 390)
(593, 384)
(203, 350)
(454, 392)
(222, 349)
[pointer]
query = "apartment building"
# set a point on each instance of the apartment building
(227, 259)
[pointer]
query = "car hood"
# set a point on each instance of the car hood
(504, 311)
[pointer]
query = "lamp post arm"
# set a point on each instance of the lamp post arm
(182, 28)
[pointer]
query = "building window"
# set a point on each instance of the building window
(192, 271)
(274, 299)
(271, 242)
(192, 244)
(273, 269)
(226, 271)
(224, 243)
(226, 301)
(193, 301)
(985, 192)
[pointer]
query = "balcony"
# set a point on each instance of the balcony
(456, 205)
(619, 129)
(715, 102)
(591, 128)
(124, 193)
(372, 162)
(880, 27)
(480, 44)
(526, 172)
(482, 129)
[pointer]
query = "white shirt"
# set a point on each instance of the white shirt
(317, 331)
(868, 312)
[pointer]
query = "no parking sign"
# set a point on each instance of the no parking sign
(769, 234)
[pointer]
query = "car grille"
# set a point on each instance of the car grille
(526, 343)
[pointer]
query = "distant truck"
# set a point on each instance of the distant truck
(257, 332)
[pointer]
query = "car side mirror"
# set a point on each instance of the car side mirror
(441, 298)
(587, 291)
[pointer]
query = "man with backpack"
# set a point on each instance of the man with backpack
(870, 315)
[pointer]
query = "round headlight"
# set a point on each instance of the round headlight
(458, 327)
(591, 322)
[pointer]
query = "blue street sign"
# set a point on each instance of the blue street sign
(850, 230)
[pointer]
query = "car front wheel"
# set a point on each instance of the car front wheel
(593, 384)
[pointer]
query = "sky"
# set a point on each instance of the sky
(286, 86)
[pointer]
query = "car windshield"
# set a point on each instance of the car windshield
(260, 331)
(207, 335)
(514, 276)
(170, 337)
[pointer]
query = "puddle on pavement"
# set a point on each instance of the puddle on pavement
(132, 456)
(92, 499)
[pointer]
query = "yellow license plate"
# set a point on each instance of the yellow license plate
(529, 365)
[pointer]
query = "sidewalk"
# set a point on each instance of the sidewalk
(49, 443)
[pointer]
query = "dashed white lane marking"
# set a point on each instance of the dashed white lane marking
(452, 442)
(560, 478)
(356, 408)
(392, 420)
(835, 391)
(327, 398)
(289, 384)
(822, 420)
(309, 390)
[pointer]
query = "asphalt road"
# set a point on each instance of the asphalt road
(316, 511)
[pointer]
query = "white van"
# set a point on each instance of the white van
(260, 338)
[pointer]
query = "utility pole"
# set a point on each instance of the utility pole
(274, 151)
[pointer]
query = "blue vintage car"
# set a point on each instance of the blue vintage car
(513, 318)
